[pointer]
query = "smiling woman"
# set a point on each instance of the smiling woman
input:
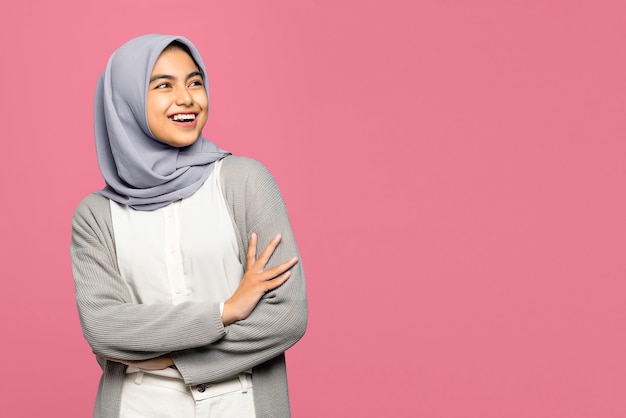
(185, 318)
(177, 103)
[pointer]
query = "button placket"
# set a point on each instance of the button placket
(173, 257)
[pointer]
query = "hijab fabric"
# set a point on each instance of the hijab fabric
(140, 171)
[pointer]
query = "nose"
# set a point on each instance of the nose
(184, 98)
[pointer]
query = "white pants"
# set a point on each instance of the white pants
(145, 395)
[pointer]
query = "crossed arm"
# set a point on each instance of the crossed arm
(265, 315)
(256, 281)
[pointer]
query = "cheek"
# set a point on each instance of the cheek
(155, 109)
(202, 99)
(152, 119)
(155, 119)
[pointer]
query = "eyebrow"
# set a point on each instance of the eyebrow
(171, 77)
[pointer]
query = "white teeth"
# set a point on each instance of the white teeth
(180, 117)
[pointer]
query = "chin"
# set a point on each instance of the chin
(182, 144)
(178, 142)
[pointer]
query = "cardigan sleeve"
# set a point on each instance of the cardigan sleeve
(113, 325)
(279, 320)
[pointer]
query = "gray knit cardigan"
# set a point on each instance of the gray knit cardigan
(203, 349)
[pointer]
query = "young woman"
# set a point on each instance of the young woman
(186, 318)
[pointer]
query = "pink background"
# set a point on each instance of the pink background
(454, 171)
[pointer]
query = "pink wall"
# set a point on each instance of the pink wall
(455, 172)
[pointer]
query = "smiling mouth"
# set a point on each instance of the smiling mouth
(183, 117)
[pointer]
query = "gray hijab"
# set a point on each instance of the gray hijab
(140, 171)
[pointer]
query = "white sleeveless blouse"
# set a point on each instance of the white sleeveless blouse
(186, 251)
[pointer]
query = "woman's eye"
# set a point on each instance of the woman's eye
(161, 86)
(195, 83)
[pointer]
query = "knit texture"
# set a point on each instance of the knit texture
(192, 332)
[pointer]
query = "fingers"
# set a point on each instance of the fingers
(258, 264)
(251, 254)
(269, 250)
(278, 275)
(280, 269)
(256, 281)
(279, 280)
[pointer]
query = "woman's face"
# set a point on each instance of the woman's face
(177, 102)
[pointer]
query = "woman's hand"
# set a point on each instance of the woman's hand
(158, 363)
(256, 281)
